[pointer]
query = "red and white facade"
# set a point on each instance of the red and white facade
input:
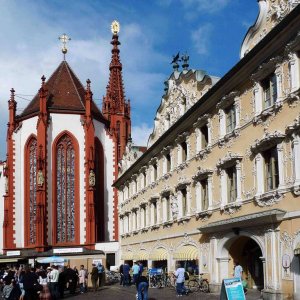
(62, 157)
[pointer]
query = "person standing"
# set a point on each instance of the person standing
(94, 277)
(179, 274)
(62, 282)
(82, 279)
(238, 273)
(141, 268)
(121, 274)
(135, 272)
(53, 284)
(100, 274)
(126, 270)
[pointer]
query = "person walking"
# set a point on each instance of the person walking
(180, 278)
(238, 273)
(43, 281)
(94, 277)
(82, 279)
(141, 268)
(142, 286)
(135, 271)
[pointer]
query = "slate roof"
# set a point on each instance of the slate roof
(66, 94)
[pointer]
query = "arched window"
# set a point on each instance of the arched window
(65, 183)
(31, 186)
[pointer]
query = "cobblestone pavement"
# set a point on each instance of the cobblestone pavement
(117, 292)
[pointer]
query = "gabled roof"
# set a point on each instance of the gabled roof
(65, 94)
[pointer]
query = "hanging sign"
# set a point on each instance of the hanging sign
(232, 289)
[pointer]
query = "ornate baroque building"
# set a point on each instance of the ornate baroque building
(62, 155)
(220, 179)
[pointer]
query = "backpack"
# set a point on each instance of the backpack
(186, 275)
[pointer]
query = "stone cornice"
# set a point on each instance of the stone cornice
(295, 127)
(181, 137)
(294, 45)
(182, 183)
(266, 68)
(229, 160)
(202, 173)
(201, 120)
(227, 100)
(268, 141)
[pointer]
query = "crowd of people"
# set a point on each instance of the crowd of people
(27, 283)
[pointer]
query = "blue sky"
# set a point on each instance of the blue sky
(211, 31)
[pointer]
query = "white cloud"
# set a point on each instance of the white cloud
(140, 134)
(201, 38)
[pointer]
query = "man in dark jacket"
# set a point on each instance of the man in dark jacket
(71, 278)
(121, 274)
(94, 277)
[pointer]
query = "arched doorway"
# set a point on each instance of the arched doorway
(248, 253)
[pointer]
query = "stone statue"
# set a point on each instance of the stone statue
(40, 178)
(6, 185)
(92, 178)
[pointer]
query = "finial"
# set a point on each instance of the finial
(12, 91)
(175, 61)
(64, 39)
(115, 27)
(185, 58)
(88, 84)
(43, 79)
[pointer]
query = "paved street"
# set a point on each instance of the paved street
(117, 292)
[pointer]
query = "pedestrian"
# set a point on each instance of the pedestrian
(94, 277)
(43, 281)
(53, 283)
(135, 271)
(126, 270)
(100, 274)
(180, 278)
(141, 268)
(142, 286)
(121, 274)
(62, 282)
(82, 279)
(71, 279)
(29, 281)
(238, 273)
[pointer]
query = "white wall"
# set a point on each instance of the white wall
(108, 148)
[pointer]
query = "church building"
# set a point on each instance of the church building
(62, 155)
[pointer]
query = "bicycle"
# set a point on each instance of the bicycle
(170, 281)
(156, 281)
(198, 284)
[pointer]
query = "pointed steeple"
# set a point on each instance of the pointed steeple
(115, 107)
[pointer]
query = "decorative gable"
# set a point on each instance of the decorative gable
(183, 90)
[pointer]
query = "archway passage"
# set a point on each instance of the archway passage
(248, 253)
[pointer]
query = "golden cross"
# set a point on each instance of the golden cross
(64, 39)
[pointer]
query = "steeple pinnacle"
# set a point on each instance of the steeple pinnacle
(115, 107)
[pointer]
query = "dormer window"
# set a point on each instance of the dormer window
(269, 86)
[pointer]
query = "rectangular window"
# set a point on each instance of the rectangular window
(269, 86)
(183, 193)
(184, 151)
(155, 212)
(271, 169)
(154, 172)
(204, 194)
(168, 160)
(231, 184)
(230, 118)
(204, 136)
(168, 208)
(144, 213)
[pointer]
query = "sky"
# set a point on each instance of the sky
(151, 32)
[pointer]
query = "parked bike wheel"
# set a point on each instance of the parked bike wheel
(204, 287)
(193, 285)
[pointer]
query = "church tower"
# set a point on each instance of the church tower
(115, 107)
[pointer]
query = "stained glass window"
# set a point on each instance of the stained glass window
(65, 190)
(32, 190)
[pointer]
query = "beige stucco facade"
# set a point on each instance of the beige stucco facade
(220, 180)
